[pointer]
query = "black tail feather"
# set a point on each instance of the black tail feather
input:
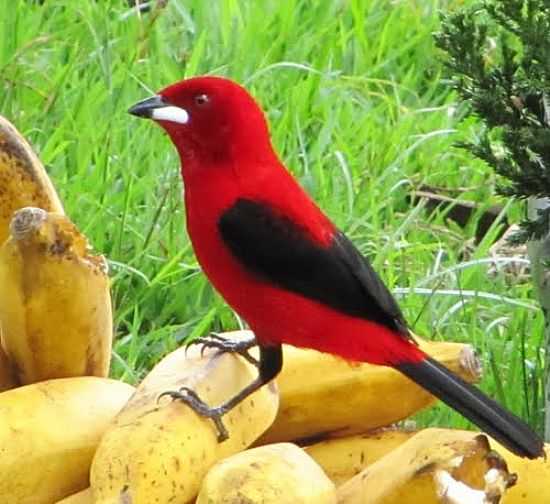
(487, 414)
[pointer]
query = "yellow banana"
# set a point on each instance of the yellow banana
(48, 434)
(273, 474)
(343, 458)
(322, 394)
(434, 466)
(55, 305)
(23, 179)
(82, 497)
(160, 450)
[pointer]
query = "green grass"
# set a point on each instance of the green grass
(359, 111)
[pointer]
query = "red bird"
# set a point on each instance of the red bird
(282, 265)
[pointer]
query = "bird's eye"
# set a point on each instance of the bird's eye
(201, 99)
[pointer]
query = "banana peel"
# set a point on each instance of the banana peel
(48, 434)
(159, 450)
(273, 474)
(55, 304)
(323, 395)
(23, 179)
(434, 466)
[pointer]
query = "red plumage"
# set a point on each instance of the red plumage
(276, 315)
(246, 166)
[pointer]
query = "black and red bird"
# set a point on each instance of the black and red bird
(282, 265)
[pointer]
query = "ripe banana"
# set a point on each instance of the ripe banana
(7, 372)
(273, 474)
(434, 466)
(55, 305)
(48, 434)
(322, 394)
(343, 458)
(160, 450)
(23, 179)
(82, 497)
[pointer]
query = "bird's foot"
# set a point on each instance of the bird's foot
(192, 399)
(240, 347)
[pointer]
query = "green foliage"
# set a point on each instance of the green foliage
(499, 61)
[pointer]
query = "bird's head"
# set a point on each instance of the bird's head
(208, 118)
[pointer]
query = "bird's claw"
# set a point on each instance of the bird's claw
(223, 345)
(192, 399)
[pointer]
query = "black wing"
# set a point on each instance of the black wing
(279, 251)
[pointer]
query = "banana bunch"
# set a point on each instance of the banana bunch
(343, 459)
(159, 450)
(55, 322)
(55, 305)
(434, 466)
(48, 435)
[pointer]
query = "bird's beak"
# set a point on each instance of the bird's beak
(159, 109)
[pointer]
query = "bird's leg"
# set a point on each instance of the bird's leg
(241, 347)
(269, 365)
